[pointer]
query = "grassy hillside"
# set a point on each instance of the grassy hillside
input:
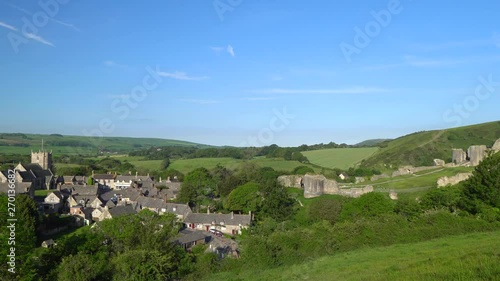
(59, 144)
(466, 257)
(371, 142)
(342, 158)
(420, 149)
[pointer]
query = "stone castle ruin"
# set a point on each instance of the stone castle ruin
(474, 155)
(317, 185)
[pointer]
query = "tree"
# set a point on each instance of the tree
(277, 203)
(244, 198)
(367, 205)
(197, 184)
(326, 208)
(90, 181)
(483, 188)
(165, 164)
(84, 267)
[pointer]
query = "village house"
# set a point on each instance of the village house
(20, 188)
(82, 215)
(105, 179)
(82, 195)
(53, 202)
(189, 238)
(109, 213)
(231, 224)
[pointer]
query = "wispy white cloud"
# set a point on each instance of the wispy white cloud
(228, 49)
(38, 39)
(111, 63)
(258, 98)
(338, 91)
(429, 47)
(50, 18)
(8, 26)
(414, 61)
(178, 75)
(200, 101)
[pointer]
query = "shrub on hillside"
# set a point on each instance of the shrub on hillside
(367, 205)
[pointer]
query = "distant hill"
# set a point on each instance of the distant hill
(19, 143)
(421, 148)
(372, 142)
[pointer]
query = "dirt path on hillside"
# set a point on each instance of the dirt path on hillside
(434, 138)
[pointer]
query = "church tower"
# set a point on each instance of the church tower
(43, 158)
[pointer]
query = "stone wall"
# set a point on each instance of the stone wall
(444, 181)
(290, 181)
(458, 156)
(496, 146)
(476, 154)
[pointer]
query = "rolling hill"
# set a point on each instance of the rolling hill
(421, 148)
(23, 143)
(342, 158)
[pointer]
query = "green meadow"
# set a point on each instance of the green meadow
(342, 158)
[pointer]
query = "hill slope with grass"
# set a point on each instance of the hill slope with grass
(19, 143)
(420, 149)
(472, 256)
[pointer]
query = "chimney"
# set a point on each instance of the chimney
(148, 175)
(168, 179)
(160, 179)
(232, 215)
(136, 174)
(208, 211)
(129, 173)
(92, 173)
(165, 198)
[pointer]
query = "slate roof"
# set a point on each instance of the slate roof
(84, 189)
(103, 176)
(121, 210)
(218, 219)
(68, 179)
(187, 236)
(26, 176)
(148, 202)
(178, 209)
(21, 187)
(125, 178)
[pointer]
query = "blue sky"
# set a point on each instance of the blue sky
(248, 72)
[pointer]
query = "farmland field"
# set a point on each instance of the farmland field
(342, 158)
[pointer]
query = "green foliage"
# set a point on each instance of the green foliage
(165, 164)
(326, 208)
(447, 197)
(145, 265)
(244, 198)
(90, 181)
(367, 205)
(277, 203)
(84, 267)
(302, 170)
(408, 208)
(196, 184)
(483, 188)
